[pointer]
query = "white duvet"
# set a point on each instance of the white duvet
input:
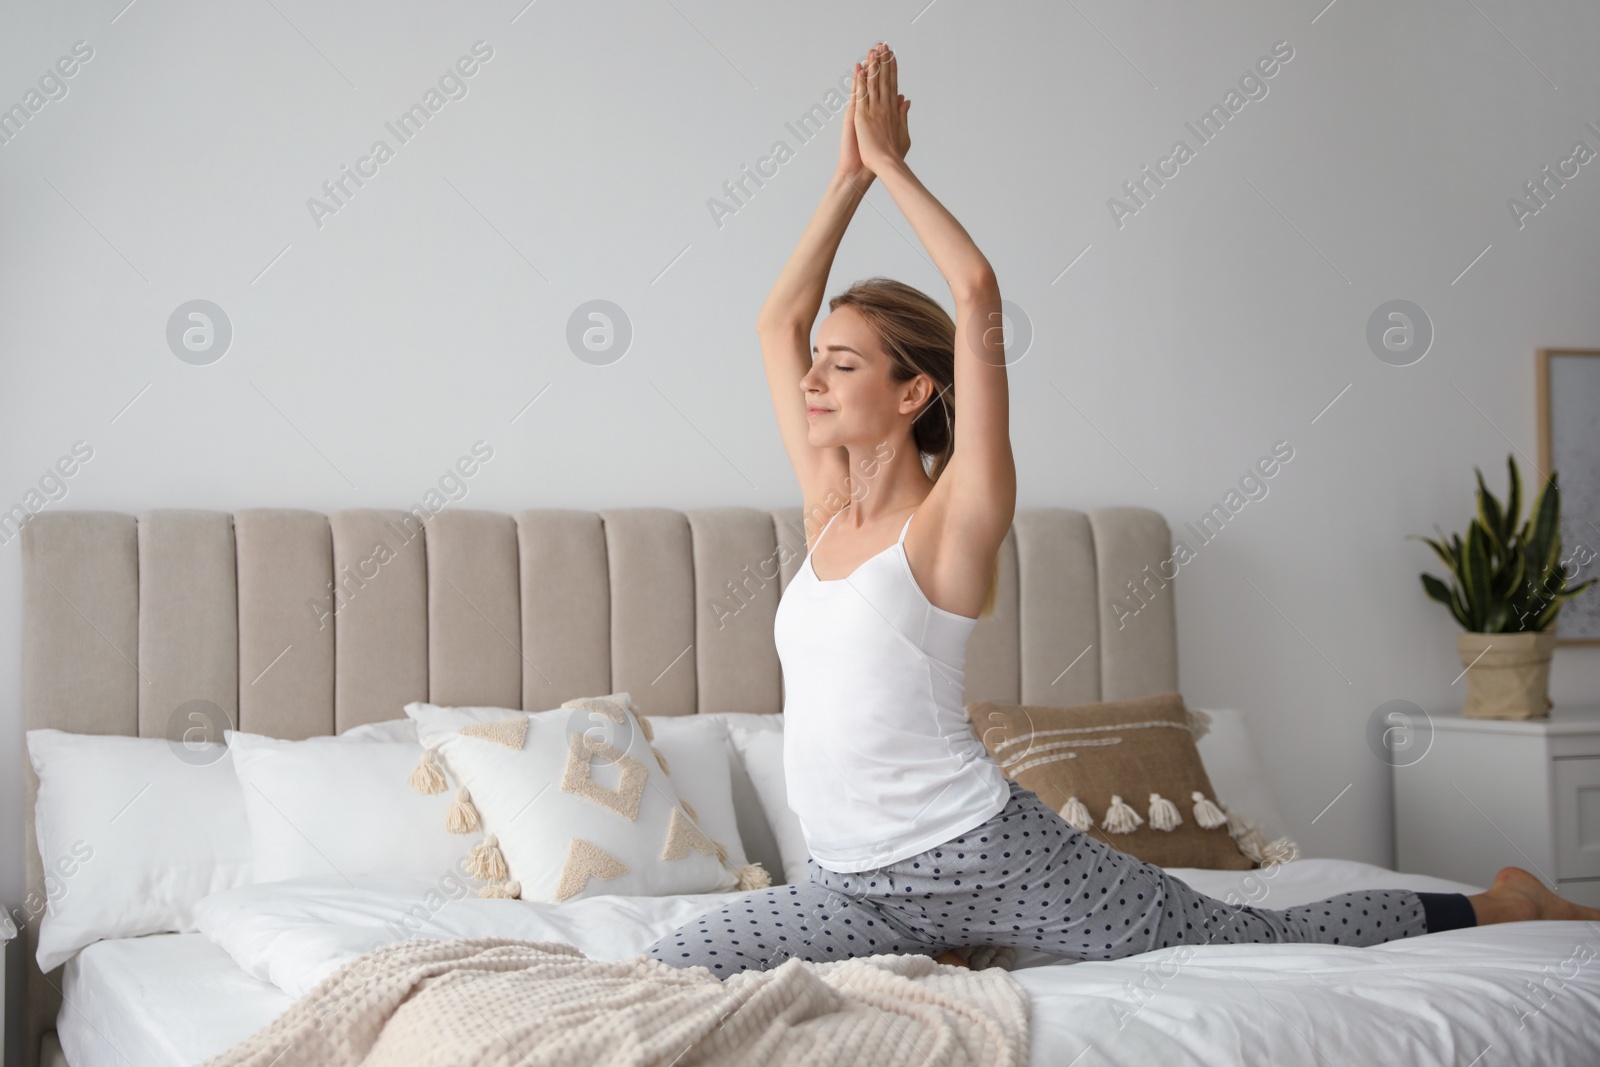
(1516, 993)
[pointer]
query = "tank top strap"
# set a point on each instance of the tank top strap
(826, 527)
(904, 528)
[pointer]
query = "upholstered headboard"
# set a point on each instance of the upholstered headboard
(295, 624)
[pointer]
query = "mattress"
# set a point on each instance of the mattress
(1528, 991)
(159, 1001)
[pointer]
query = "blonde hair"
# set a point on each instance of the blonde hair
(920, 338)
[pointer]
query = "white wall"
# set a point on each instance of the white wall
(1223, 317)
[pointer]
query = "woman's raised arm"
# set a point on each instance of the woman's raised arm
(981, 473)
(784, 324)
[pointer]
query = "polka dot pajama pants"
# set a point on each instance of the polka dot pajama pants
(1028, 880)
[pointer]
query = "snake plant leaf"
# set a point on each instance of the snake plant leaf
(1509, 579)
(1547, 616)
(1499, 587)
(1498, 616)
(1513, 497)
(1530, 597)
(1446, 596)
(1436, 589)
(1542, 542)
(1567, 594)
(1543, 558)
(1544, 577)
(1475, 575)
(1546, 516)
(1491, 516)
(1460, 609)
(1548, 577)
(1442, 551)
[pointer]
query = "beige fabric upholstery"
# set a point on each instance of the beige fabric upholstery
(80, 647)
(566, 618)
(653, 608)
(736, 570)
(1128, 551)
(189, 616)
(285, 648)
(1058, 627)
(675, 607)
(80, 622)
(474, 621)
(380, 620)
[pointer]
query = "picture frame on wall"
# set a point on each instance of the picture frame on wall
(1568, 392)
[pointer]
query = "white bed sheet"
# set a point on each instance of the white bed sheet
(1453, 998)
(159, 1001)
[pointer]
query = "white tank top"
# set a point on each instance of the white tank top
(880, 759)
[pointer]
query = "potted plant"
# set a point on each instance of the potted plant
(1507, 586)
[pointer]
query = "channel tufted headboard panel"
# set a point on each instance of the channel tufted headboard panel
(295, 624)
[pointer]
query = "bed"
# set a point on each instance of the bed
(128, 619)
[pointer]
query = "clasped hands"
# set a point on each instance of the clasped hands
(875, 134)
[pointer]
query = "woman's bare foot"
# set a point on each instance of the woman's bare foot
(1517, 896)
(954, 958)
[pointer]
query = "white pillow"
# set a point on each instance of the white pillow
(388, 730)
(340, 806)
(760, 844)
(466, 715)
(133, 832)
(745, 720)
(575, 800)
(1237, 773)
(696, 749)
(762, 753)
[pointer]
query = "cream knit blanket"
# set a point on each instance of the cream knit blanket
(494, 1002)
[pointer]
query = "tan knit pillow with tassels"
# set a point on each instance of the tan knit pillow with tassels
(1125, 771)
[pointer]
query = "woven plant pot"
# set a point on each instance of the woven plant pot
(1508, 675)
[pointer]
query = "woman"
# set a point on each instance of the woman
(919, 844)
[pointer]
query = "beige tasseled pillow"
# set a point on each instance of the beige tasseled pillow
(1125, 771)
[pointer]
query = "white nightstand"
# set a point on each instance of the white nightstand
(1492, 793)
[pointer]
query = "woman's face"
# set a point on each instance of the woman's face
(850, 396)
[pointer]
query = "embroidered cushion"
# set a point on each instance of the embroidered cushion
(1125, 771)
(571, 803)
(697, 750)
